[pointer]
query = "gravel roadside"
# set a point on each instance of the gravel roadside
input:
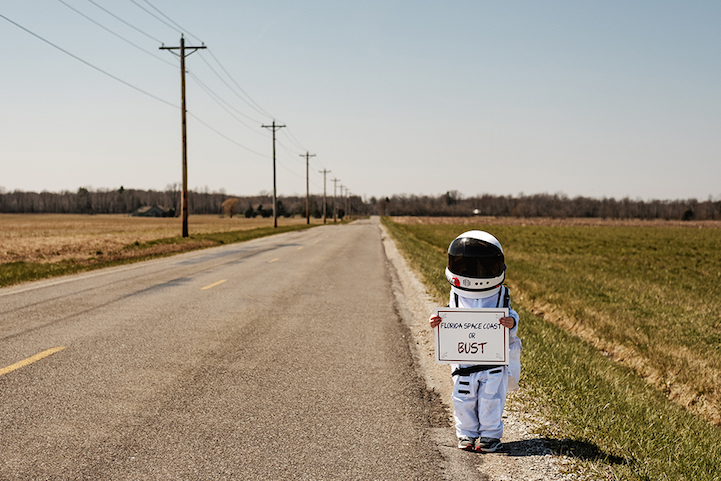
(524, 456)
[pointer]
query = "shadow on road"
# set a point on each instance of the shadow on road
(562, 447)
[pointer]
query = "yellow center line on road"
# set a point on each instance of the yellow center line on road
(213, 285)
(30, 360)
(273, 260)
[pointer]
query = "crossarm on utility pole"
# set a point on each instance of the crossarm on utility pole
(335, 209)
(324, 172)
(307, 156)
(183, 111)
(274, 128)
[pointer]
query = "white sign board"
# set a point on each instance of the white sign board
(471, 336)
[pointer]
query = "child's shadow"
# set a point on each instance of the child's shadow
(565, 447)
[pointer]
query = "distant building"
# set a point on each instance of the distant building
(150, 211)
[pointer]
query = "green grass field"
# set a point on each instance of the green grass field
(621, 332)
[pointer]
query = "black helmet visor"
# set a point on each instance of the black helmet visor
(475, 258)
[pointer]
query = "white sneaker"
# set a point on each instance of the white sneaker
(466, 443)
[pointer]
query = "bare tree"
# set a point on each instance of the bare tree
(230, 206)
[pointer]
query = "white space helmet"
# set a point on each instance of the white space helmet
(476, 264)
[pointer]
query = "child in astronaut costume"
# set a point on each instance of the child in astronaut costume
(476, 271)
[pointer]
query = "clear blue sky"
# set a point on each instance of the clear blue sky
(600, 99)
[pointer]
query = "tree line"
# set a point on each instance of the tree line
(546, 205)
(127, 201)
(452, 203)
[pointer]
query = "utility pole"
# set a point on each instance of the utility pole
(345, 207)
(345, 210)
(347, 201)
(274, 128)
(324, 202)
(307, 187)
(183, 110)
(341, 204)
(335, 203)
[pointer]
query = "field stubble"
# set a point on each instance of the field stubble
(51, 238)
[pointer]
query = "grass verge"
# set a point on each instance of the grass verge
(21, 271)
(602, 413)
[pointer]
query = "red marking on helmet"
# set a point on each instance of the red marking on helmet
(456, 282)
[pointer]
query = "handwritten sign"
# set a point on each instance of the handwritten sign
(471, 336)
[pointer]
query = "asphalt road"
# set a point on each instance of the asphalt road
(279, 358)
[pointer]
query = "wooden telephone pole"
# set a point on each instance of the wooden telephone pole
(335, 208)
(274, 128)
(307, 187)
(324, 172)
(183, 110)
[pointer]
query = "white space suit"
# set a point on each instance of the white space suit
(476, 271)
(479, 398)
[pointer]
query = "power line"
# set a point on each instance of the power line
(231, 89)
(319, 165)
(125, 22)
(288, 150)
(88, 63)
(201, 83)
(293, 139)
(169, 19)
(295, 174)
(216, 97)
(265, 156)
(229, 139)
(246, 98)
(172, 27)
(292, 154)
(220, 101)
(251, 103)
(302, 155)
(204, 86)
(259, 108)
(116, 34)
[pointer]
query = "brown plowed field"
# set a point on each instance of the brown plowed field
(57, 237)
(547, 221)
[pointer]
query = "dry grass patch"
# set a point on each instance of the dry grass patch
(59, 237)
(646, 293)
(621, 333)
